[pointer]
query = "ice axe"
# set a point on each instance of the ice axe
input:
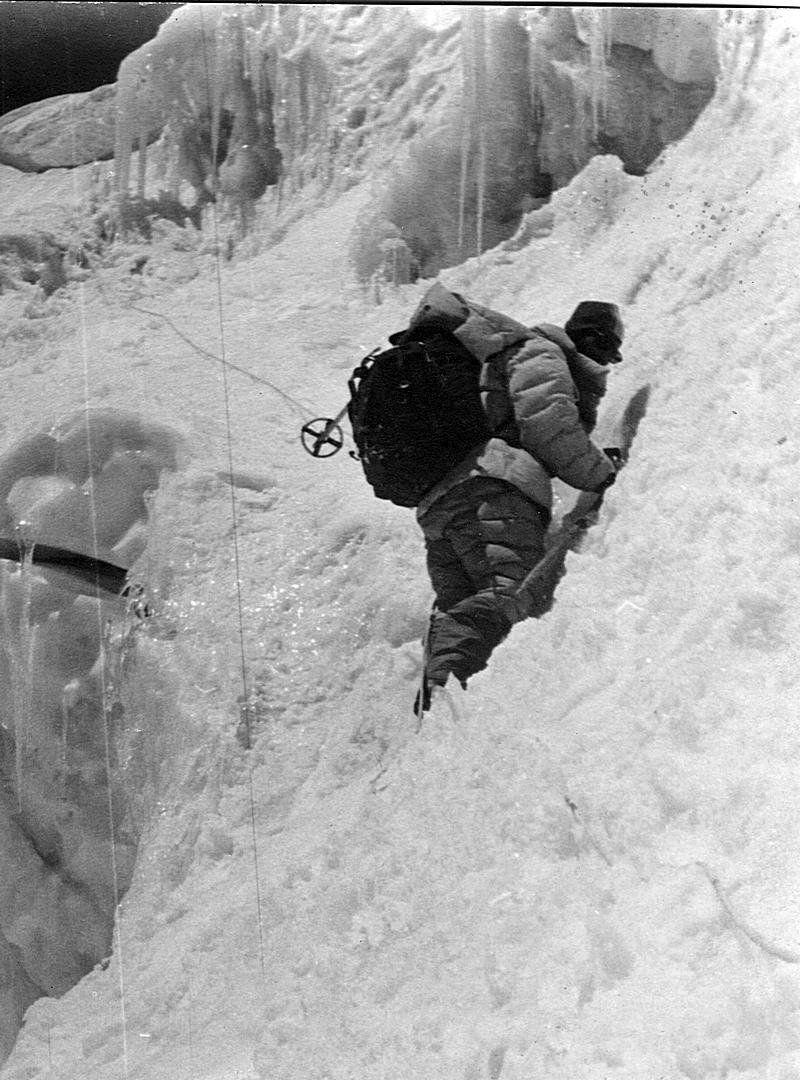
(537, 589)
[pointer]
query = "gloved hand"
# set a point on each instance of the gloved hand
(614, 454)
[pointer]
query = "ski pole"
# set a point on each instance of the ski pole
(315, 439)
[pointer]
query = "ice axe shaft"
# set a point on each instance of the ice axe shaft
(537, 590)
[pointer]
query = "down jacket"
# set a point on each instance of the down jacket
(540, 395)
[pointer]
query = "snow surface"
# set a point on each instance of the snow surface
(585, 867)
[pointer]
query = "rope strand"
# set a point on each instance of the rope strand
(235, 533)
(305, 411)
(104, 701)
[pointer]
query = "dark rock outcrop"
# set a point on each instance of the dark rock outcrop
(60, 132)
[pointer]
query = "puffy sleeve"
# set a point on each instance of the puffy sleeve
(544, 400)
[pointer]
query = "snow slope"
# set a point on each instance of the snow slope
(585, 867)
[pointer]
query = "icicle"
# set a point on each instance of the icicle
(282, 130)
(462, 187)
(171, 163)
(9, 637)
(467, 112)
(740, 39)
(142, 171)
(481, 188)
(474, 118)
(67, 696)
(252, 61)
(247, 58)
(594, 28)
(299, 88)
(215, 95)
(21, 667)
(481, 98)
(123, 138)
(481, 95)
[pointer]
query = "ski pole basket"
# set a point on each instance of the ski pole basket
(323, 437)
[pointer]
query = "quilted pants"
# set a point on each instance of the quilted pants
(481, 539)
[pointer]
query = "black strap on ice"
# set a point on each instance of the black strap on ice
(92, 572)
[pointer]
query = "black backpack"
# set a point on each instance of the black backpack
(416, 411)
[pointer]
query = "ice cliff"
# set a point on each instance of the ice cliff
(463, 120)
(482, 116)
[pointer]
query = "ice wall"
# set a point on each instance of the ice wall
(682, 43)
(628, 82)
(250, 97)
(203, 82)
(471, 159)
(538, 94)
(485, 114)
(68, 830)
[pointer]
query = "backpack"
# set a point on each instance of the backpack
(415, 410)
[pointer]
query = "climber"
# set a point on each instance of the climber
(485, 523)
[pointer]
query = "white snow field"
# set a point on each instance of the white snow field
(587, 865)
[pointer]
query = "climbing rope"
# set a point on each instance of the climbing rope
(298, 406)
(105, 702)
(235, 534)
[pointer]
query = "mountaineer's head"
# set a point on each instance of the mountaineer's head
(596, 330)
